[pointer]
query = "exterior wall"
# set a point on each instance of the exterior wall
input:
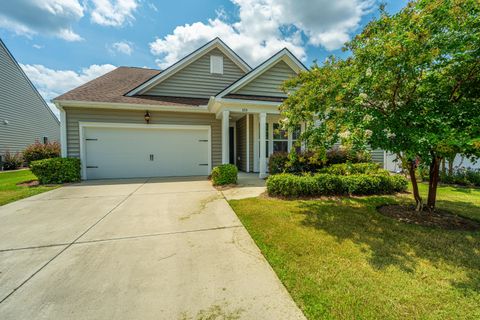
(195, 80)
(378, 156)
(76, 115)
(269, 82)
(241, 144)
(24, 116)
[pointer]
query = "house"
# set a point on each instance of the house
(209, 108)
(24, 115)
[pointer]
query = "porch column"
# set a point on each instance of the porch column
(248, 143)
(225, 137)
(263, 150)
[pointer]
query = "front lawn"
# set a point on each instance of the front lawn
(341, 259)
(10, 191)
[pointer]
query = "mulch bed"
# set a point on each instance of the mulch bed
(31, 183)
(438, 219)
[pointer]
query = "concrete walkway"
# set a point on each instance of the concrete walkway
(134, 249)
(249, 185)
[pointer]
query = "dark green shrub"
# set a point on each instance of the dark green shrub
(56, 170)
(337, 155)
(224, 174)
(277, 162)
(463, 176)
(353, 168)
(39, 151)
(304, 162)
(12, 161)
(324, 184)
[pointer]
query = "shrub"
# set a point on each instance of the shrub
(337, 155)
(324, 184)
(462, 176)
(277, 162)
(12, 161)
(354, 168)
(224, 174)
(39, 151)
(56, 170)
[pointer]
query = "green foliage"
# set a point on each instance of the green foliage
(277, 162)
(12, 161)
(353, 168)
(39, 151)
(224, 174)
(344, 155)
(464, 177)
(411, 86)
(324, 184)
(56, 170)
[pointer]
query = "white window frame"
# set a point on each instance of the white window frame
(216, 64)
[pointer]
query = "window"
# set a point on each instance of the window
(45, 140)
(280, 139)
(216, 64)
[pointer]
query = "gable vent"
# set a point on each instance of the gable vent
(216, 64)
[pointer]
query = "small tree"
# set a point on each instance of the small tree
(411, 86)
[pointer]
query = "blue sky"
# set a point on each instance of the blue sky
(63, 43)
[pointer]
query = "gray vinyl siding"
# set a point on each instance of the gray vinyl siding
(378, 156)
(195, 80)
(76, 115)
(241, 144)
(268, 83)
(28, 117)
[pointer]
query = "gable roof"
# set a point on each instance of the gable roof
(283, 55)
(20, 70)
(111, 88)
(215, 43)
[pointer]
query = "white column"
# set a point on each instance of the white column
(248, 143)
(225, 138)
(63, 133)
(263, 159)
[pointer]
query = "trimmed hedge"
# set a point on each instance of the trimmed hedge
(224, 174)
(56, 170)
(346, 169)
(324, 184)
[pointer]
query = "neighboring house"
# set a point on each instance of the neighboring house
(209, 108)
(24, 115)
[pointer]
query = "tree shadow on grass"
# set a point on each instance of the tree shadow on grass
(394, 243)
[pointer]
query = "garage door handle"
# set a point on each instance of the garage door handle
(203, 164)
(202, 140)
(92, 167)
(93, 139)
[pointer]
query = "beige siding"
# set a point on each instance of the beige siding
(195, 80)
(28, 117)
(269, 82)
(378, 156)
(76, 115)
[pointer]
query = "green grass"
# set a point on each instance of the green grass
(340, 259)
(10, 191)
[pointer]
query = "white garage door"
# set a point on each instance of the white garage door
(145, 152)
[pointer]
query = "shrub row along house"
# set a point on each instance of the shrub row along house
(24, 115)
(209, 108)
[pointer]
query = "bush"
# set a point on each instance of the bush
(277, 162)
(40, 151)
(224, 174)
(324, 184)
(463, 176)
(56, 170)
(337, 155)
(345, 169)
(12, 161)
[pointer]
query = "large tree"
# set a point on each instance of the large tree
(411, 86)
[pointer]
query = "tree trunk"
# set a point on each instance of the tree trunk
(433, 182)
(416, 194)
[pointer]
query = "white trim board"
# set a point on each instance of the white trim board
(83, 125)
(182, 63)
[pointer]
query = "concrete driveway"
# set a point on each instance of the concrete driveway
(134, 249)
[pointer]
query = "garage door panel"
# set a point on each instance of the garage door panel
(135, 152)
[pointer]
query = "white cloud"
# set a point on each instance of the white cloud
(124, 47)
(38, 46)
(266, 26)
(31, 17)
(51, 83)
(113, 13)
